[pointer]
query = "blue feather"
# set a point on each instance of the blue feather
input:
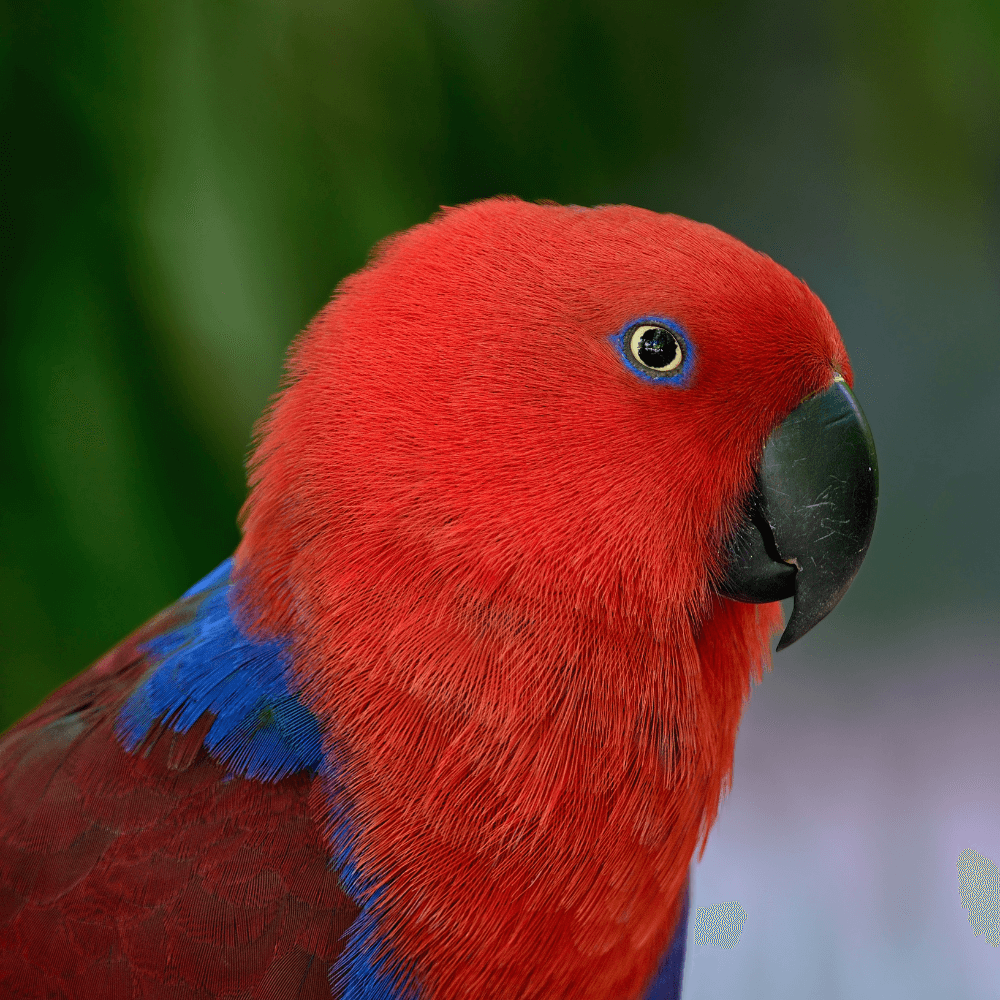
(261, 729)
(670, 975)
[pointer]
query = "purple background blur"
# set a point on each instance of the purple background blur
(861, 775)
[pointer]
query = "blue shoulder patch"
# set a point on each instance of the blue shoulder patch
(261, 729)
(670, 975)
(367, 968)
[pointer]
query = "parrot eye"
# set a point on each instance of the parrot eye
(655, 348)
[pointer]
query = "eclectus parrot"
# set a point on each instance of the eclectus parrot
(455, 717)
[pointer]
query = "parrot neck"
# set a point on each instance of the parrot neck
(509, 776)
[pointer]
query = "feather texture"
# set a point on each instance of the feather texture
(456, 718)
(181, 774)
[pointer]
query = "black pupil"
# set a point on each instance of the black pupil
(657, 348)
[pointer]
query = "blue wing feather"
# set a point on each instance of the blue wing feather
(670, 975)
(203, 663)
(206, 664)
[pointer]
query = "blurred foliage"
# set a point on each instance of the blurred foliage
(185, 183)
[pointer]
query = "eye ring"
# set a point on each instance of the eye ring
(654, 348)
(674, 370)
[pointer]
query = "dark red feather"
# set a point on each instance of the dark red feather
(154, 874)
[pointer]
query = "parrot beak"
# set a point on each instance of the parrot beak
(810, 515)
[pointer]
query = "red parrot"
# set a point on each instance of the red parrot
(456, 716)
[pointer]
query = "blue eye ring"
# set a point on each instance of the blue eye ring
(677, 377)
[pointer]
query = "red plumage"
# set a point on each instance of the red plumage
(495, 546)
(490, 550)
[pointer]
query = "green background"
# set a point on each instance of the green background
(185, 183)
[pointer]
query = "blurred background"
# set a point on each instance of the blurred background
(184, 184)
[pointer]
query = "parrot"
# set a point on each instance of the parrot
(456, 716)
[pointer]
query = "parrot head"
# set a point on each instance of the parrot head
(571, 407)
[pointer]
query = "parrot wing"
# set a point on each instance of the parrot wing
(134, 861)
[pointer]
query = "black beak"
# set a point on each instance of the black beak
(810, 515)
